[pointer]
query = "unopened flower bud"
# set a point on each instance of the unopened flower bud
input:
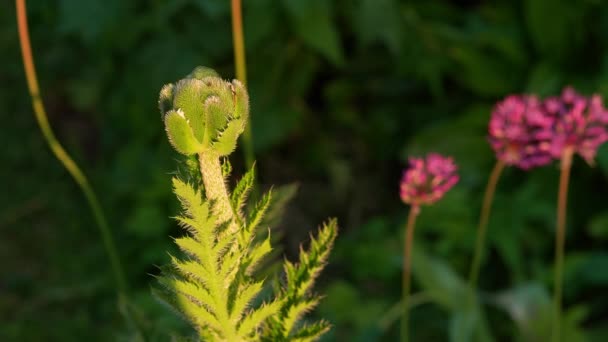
(204, 113)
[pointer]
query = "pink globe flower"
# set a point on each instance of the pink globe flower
(578, 123)
(428, 179)
(513, 131)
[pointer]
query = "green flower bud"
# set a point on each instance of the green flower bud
(201, 72)
(204, 113)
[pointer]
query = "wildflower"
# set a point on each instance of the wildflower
(578, 123)
(428, 179)
(513, 131)
(424, 182)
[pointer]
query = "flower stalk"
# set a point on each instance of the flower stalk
(407, 266)
(560, 240)
(482, 228)
(215, 188)
(238, 43)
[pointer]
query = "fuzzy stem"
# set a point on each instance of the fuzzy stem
(407, 265)
(62, 155)
(238, 43)
(215, 188)
(560, 240)
(216, 191)
(486, 207)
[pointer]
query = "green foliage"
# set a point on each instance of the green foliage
(295, 293)
(214, 287)
(409, 82)
(444, 287)
(210, 288)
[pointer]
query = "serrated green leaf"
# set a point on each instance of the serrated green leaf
(255, 217)
(190, 311)
(242, 190)
(311, 332)
(194, 249)
(299, 280)
(197, 295)
(223, 244)
(229, 267)
(257, 253)
(195, 271)
(312, 261)
(168, 298)
(257, 317)
(296, 311)
(244, 298)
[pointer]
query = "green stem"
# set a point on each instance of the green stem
(560, 240)
(62, 155)
(486, 207)
(238, 43)
(215, 188)
(407, 265)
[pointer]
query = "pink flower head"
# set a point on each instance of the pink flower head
(579, 123)
(428, 179)
(513, 131)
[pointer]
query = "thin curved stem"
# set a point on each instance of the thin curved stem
(560, 241)
(482, 229)
(238, 43)
(62, 155)
(407, 265)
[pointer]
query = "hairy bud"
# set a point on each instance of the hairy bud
(204, 113)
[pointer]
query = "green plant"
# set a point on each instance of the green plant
(214, 286)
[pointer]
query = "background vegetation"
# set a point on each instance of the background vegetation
(342, 92)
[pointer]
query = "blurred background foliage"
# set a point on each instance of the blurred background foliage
(342, 92)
